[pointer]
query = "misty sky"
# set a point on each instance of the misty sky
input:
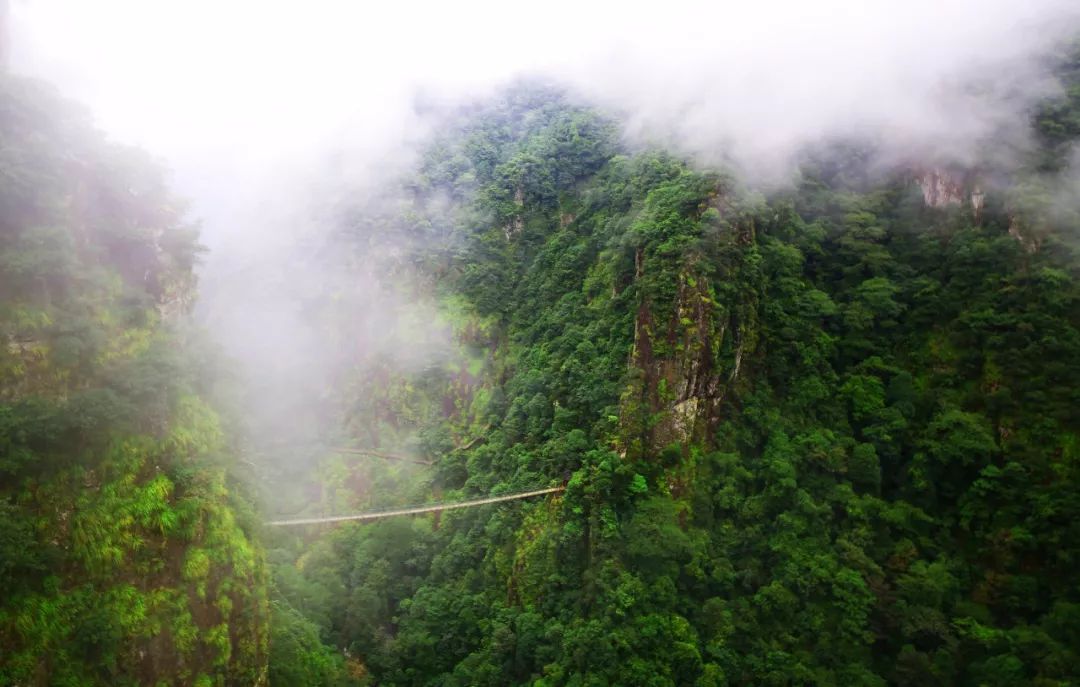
(231, 91)
(267, 77)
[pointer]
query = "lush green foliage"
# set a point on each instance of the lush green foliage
(827, 436)
(123, 553)
(824, 437)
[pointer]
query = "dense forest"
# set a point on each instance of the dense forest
(820, 434)
(825, 435)
(126, 551)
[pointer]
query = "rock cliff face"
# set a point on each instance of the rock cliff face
(1029, 239)
(691, 353)
(942, 188)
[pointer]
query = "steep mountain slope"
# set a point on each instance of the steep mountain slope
(827, 436)
(824, 435)
(125, 558)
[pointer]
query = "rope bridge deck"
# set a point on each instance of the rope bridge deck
(431, 508)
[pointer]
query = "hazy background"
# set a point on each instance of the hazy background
(233, 94)
(260, 107)
(242, 88)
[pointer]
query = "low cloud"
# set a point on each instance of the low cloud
(267, 109)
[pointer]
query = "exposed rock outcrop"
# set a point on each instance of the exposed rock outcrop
(940, 188)
(945, 187)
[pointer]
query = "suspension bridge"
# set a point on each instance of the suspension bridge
(414, 510)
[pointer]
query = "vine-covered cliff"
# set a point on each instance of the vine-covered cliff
(126, 557)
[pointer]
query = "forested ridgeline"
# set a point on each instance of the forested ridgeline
(826, 435)
(125, 555)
